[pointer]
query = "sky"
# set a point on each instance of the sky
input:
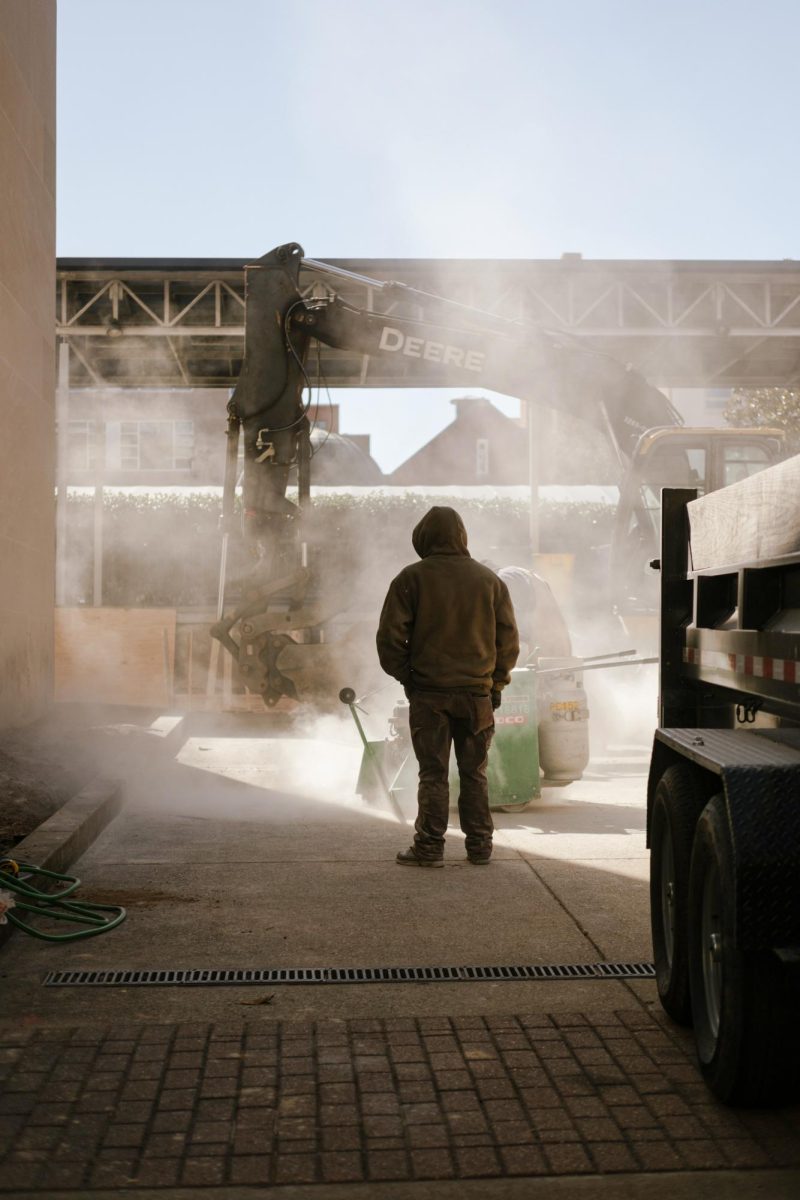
(431, 128)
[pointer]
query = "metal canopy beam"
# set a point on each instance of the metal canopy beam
(180, 323)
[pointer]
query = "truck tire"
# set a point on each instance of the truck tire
(676, 808)
(746, 1039)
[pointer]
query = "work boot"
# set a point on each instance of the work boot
(410, 857)
(479, 860)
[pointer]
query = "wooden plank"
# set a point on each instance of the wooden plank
(211, 679)
(227, 680)
(238, 702)
(114, 655)
(757, 518)
(190, 664)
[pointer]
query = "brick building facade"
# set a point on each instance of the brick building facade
(127, 437)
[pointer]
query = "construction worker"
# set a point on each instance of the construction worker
(447, 633)
(542, 629)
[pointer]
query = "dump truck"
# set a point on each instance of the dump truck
(723, 801)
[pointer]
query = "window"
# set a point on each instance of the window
(80, 445)
(154, 446)
(743, 460)
(183, 450)
(673, 466)
(669, 466)
(129, 445)
(481, 457)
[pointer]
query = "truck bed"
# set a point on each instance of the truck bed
(729, 749)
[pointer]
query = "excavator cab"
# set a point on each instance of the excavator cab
(703, 458)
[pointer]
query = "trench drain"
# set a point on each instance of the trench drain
(243, 976)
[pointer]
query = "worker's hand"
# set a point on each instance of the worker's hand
(496, 699)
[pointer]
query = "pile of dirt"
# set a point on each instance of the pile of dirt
(41, 767)
(34, 783)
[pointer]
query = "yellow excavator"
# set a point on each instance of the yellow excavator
(279, 629)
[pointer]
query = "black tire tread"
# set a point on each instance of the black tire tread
(756, 1057)
(680, 797)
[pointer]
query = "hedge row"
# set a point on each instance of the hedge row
(163, 548)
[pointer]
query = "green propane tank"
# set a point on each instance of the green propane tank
(514, 756)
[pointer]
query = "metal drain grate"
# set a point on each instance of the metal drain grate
(236, 976)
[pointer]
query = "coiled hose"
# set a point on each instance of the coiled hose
(15, 878)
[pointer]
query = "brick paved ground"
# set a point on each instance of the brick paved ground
(263, 1102)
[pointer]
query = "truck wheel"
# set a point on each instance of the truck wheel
(747, 1042)
(677, 805)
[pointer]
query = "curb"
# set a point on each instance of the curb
(64, 837)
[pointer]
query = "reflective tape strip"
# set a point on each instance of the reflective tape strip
(783, 670)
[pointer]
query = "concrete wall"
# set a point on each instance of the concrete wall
(27, 356)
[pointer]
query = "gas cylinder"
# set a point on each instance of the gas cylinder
(563, 721)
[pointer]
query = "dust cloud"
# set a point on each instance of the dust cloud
(357, 540)
(355, 547)
(317, 759)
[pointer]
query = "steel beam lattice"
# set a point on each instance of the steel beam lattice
(682, 324)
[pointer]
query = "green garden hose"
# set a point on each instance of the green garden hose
(15, 879)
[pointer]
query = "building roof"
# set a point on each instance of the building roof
(480, 445)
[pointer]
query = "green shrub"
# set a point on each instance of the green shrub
(162, 549)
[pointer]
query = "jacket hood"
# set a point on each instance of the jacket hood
(441, 531)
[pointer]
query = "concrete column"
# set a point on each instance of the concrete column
(99, 476)
(27, 357)
(62, 420)
(534, 423)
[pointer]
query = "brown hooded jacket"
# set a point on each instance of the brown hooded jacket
(447, 623)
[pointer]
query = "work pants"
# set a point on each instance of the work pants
(439, 720)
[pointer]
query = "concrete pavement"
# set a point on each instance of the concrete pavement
(250, 851)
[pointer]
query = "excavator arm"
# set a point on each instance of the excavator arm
(435, 338)
(451, 344)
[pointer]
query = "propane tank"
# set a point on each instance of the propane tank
(563, 722)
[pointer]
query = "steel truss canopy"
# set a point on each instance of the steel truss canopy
(180, 323)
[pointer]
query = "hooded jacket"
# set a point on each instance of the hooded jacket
(447, 623)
